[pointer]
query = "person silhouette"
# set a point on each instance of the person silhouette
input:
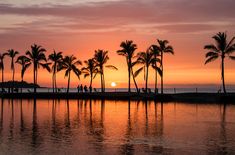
(78, 88)
(81, 88)
(85, 89)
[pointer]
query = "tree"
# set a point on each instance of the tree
(90, 70)
(37, 58)
(25, 63)
(146, 59)
(101, 58)
(12, 53)
(70, 64)
(128, 49)
(56, 58)
(2, 56)
(221, 48)
(163, 47)
(158, 70)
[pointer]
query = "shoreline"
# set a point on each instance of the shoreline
(180, 97)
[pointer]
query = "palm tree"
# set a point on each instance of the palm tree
(163, 47)
(25, 63)
(56, 58)
(158, 70)
(37, 58)
(90, 70)
(101, 58)
(221, 48)
(12, 53)
(2, 56)
(146, 59)
(70, 64)
(128, 49)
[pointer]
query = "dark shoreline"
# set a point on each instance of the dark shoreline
(181, 97)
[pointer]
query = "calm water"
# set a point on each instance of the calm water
(115, 127)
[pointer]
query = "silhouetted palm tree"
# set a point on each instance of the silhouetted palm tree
(37, 58)
(70, 64)
(163, 47)
(25, 63)
(12, 53)
(146, 59)
(128, 49)
(221, 48)
(2, 56)
(90, 70)
(158, 70)
(56, 58)
(101, 58)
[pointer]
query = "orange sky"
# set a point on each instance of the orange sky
(79, 28)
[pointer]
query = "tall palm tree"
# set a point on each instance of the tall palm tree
(101, 57)
(37, 58)
(221, 48)
(147, 59)
(158, 70)
(128, 49)
(56, 59)
(25, 63)
(90, 70)
(70, 64)
(163, 47)
(12, 53)
(2, 56)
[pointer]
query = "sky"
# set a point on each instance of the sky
(81, 27)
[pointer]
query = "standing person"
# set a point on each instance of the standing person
(90, 89)
(81, 88)
(78, 88)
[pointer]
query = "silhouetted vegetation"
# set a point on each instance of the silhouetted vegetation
(221, 49)
(163, 47)
(69, 64)
(56, 58)
(90, 70)
(153, 57)
(128, 51)
(101, 58)
(12, 53)
(37, 58)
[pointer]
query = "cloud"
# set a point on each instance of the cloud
(149, 16)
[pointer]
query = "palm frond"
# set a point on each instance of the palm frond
(138, 71)
(211, 59)
(111, 67)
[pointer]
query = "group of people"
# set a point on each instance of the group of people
(84, 89)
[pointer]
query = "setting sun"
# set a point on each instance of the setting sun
(113, 84)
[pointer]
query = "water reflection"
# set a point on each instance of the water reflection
(115, 127)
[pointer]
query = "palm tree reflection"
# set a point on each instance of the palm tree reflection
(127, 147)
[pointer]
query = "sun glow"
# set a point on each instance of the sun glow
(113, 84)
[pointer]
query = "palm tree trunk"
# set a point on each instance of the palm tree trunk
(222, 74)
(13, 78)
(55, 83)
(136, 86)
(2, 78)
(162, 73)
(146, 82)
(90, 88)
(129, 77)
(34, 79)
(156, 79)
(103, 83)
(68, 83)
(22, 79)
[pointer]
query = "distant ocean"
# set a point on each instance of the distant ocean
(211, 89)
